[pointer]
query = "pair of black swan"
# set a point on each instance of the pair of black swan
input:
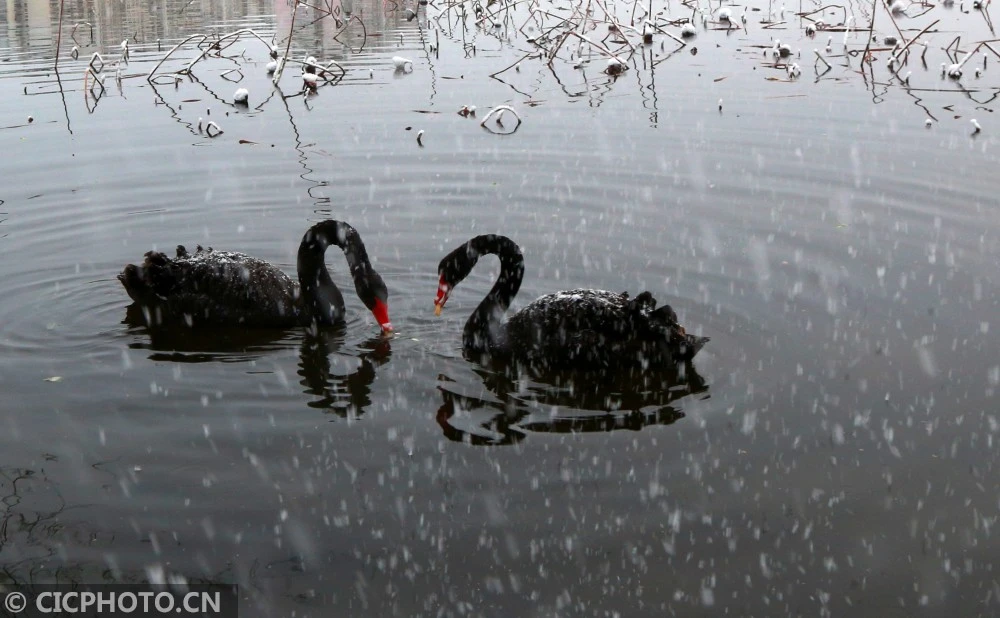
(576, 329)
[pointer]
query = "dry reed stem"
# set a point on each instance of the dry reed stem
(217, 44)
(149, 77)
(823, 8)
(364, 31)
(72, 33)
(892, 18)
(911, 41)
(288, 46)
(821, 59)
(668, 33)
(601, 48)
(59, 34)
(500, 109)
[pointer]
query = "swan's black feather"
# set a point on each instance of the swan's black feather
(596, 329)
(215, 287)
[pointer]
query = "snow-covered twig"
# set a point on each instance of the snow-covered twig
(499, 110)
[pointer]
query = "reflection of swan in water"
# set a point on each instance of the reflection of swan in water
(585, 405)
(343, 393)
(193, 345)
(346, 395)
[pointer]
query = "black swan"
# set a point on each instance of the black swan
(575, 329)
(226, 288)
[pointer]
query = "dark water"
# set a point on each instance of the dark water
(830, 452)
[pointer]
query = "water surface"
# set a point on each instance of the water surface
(831, 451)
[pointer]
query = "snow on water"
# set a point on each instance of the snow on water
(837, 448)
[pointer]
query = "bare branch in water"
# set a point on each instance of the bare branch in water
(498, 111)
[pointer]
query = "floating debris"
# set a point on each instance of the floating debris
(615, 66)
(212, 126)
(401, 63)
(928, 123)
(241, 96)
(54, 379)
(499, 111)
(976, 128)
(420, 135)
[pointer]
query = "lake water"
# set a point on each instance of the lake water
(831, 451)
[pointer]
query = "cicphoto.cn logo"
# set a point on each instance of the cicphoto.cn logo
(89, 601)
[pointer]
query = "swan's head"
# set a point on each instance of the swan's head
(453, 268)
(373, 293)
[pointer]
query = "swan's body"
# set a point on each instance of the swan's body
(575, 329)
(210, 287)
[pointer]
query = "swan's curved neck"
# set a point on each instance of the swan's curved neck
(483, 330)
(320, 294)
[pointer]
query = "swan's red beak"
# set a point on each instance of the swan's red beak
(442, 296)
(381, 313)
